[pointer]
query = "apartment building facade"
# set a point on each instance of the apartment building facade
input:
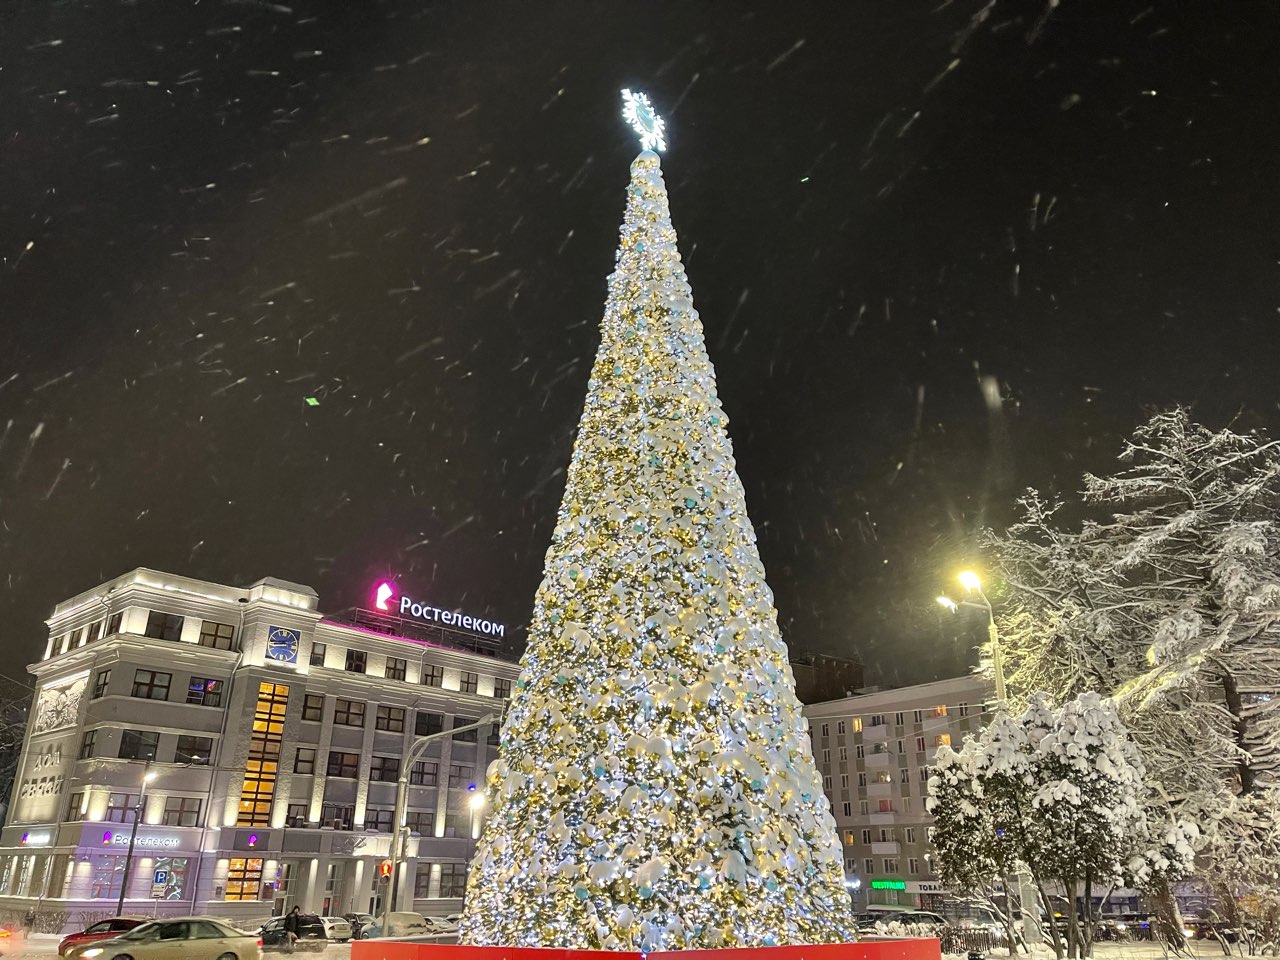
(261, 741)
(874, 751)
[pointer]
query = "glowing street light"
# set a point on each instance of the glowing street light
(477, 801)
(969, 580)
(948, 603)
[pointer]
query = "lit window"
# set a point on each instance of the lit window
(942, 739)
(204, 692)
(244, 879)
(940, 710)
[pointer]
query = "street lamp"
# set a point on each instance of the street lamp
(148, 777)
(976, 598)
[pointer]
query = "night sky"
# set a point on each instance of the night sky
(943, 250)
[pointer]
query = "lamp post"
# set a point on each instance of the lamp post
(148, 777)
(418, 748)
(974, 597)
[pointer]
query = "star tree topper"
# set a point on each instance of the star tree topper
(639, 112)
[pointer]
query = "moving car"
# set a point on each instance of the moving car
(337, 929)
(102, 930)
(191, 938)
(311, 934)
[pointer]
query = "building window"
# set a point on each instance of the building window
(74, 811)
(910, 834)
(194, 750)
(862, 808)
(467, 736)
(113, 624)
(461, 774)
(884, 777)
(890, 865)
(924, 774)
(343, 764)
(844, 754)
(826, 784)
(906, 804)
(182, 812)
(349, 713)
(913, 866)
(340, 815)
(204, 692)
(263, 763)
(424, 773)
(866, 837)
(495, 735)
(869, 866)
(218, 636)
(397, 669)
(138, 744)
(902, 746)
(433, 674)
(857, 724)
(313, 707)
(121, 808)
(840, 728)
(88, 744)
(920, 746)
(904, 775)
(100, 684)
(844, 781)
(470, 682)
(877, 720)
(151, 684)
(318, 651)
(897, 719)
(304, 760)
(501, 689)
(390, 719)
(940, 710)
(848, 809)
(421, 822)
(422, 881)
(862, 779)
(824, 731)
(378, 818)
(384, 769)
(919, 717)
(357, 660)
(859, 751)
(453, 879)
(942, 739)
(163, 626)
(826, 756)
(244, 878)
(295, 815)
(426, 724)
(886, 806)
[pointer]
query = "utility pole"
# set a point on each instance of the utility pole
(418, 748)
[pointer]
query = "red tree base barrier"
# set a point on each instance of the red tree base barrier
(906, 949)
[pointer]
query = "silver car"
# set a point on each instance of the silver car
(191, 938)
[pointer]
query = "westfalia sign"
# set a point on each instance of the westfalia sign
(389, 600)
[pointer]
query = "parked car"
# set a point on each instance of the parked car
(337, 929)
(402, 924)
(311, 934)
(102, 930)
(360, 922)
(191, 938)
(441, 924)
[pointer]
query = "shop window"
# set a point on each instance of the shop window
(108, 869)
(217, 636)
(453, 879)
(163, 626)
(194, 750)
(432, 674)
(244, 878)
(397, 669)
(422, 881)
(138, 744)
(151, 685)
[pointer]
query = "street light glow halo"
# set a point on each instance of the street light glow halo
(149, 777)
(947, 602)
(970, 580)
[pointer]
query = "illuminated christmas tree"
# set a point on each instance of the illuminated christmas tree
(655, 786)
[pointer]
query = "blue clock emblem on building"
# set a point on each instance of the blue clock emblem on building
(282, 645)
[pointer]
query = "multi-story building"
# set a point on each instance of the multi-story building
(261, 741)
(874, 750)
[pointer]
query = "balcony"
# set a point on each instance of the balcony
(878, 759)
(888, 847)
(880, 790)
(880, 732)
(881, 819)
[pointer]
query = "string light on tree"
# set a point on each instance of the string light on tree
(655, 785)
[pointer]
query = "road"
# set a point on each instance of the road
(44, 945)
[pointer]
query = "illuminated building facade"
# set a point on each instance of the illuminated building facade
(271, 736)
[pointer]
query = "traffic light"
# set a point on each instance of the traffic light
(384, 870)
